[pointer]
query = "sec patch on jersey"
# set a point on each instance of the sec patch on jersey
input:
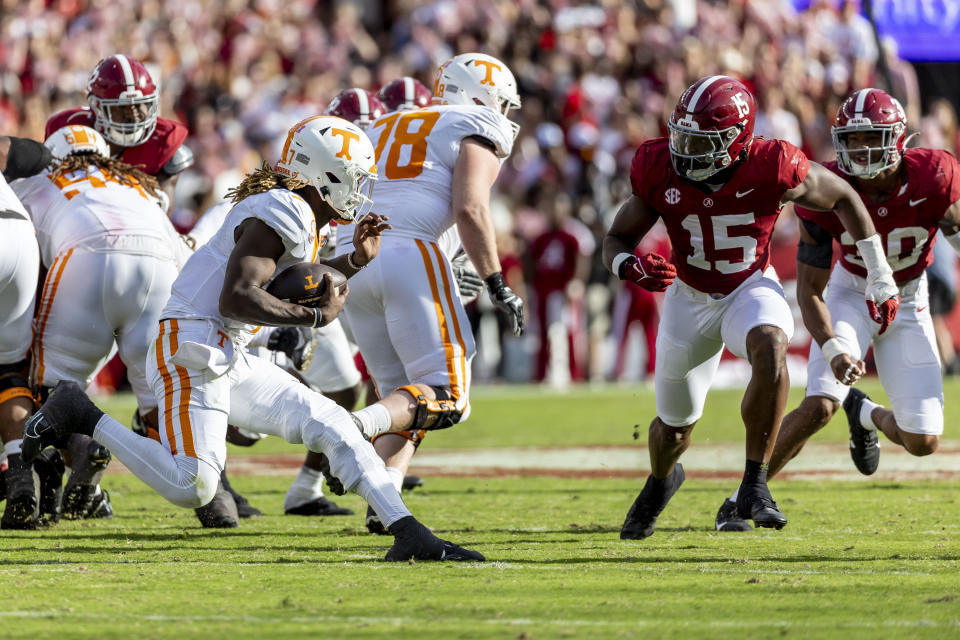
(303, 283)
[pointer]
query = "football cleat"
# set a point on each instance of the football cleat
(50, 469)
(373, 523)
(89, 458)
(319, 506)
(244, 508)
(219, 513)
(100, 506)
(68, 410)
(864, 443)
(728, 518)
(756, 503)
(642, 517)
(413, 541)
(411, 482)
(23, 495)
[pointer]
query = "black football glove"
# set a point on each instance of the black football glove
(468, 280)
(506, 300)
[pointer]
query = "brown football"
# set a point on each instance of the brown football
(302, 283)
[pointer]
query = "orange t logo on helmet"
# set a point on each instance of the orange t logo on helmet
(489, 66)
(347, 136)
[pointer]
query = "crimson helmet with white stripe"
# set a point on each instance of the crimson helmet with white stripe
(711, 126)
(404, 94)
(359, 106)
(870, 111)
(117, 84)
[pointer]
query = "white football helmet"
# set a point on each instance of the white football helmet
(337, 158)
(476, 78)
(75, 138)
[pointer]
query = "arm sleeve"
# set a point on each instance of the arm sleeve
(793, 166)
(817, 255)
(25, 158)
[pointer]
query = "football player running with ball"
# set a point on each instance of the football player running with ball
(719, 191)
(436, 167)
(202, 375)
(910, 193)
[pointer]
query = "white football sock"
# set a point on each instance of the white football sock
(866, 411)
(186, 482)
(374, 420)
(735, 494)
(12, 447)
(306, 487)
(396, 475)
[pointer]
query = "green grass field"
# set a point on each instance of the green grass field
(873, 559)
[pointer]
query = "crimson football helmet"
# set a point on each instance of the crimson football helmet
(358, 106)
(711, 126)
(870, 111)
(119, 90)
(404, 94)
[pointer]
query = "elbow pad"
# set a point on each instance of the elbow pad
(26, 158)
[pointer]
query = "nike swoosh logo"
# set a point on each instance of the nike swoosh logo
(921, 309)
(914, 203)
(740, 195)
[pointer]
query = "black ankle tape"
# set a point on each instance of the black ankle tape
(755, 472)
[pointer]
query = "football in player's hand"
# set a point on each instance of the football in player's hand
(303, 283)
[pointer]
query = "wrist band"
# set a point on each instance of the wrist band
(831, 349)
(317, 317)
(618, 263)
(353, 265)
(495, 281)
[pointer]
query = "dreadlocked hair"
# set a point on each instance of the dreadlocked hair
(125, 174)
(261, 180)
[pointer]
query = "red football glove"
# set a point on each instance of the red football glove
(884, 313)
(650, 271)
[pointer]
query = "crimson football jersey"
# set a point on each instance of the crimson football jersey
(908, 222)
(719, 238)
(152, 154)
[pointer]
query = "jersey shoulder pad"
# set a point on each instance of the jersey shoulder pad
(787, 160)
(650, 166)
(483, 122)
(159, 147)
(284, 212)
(79, 115)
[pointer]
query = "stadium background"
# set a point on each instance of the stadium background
(596, 80)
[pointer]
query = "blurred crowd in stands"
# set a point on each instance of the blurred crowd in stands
(596, 78)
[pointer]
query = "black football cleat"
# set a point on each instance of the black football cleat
(244, 508)
(89, 459)
(23, 495)
(642, 516)
(219, 513)
(319, 506)
(294, 342)
(729, 519)
(333, 483)
(756, 503)
(411, 482)
(864, 443)
(413, 541)
(100, 506)
(68, 410)
(50, 469)
(373, 523)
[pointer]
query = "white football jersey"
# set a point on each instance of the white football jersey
(90, 210)
(196, 292)
(9, 203)
(416, 155)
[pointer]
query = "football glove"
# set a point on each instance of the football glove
(468, 280)
(650, 271)
(506, 300)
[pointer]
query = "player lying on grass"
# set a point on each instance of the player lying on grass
(910, 194)
(719, 203)
(199, 369)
